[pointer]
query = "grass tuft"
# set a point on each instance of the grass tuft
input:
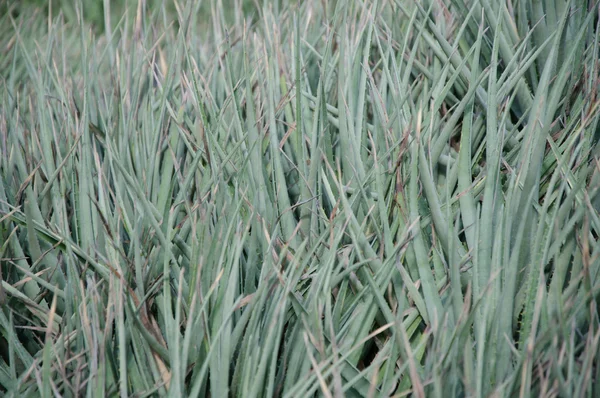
(367, 198)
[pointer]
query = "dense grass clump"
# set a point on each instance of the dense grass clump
(315, 198)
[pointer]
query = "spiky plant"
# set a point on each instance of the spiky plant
(351, 198)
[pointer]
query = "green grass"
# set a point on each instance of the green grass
(362, 198)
